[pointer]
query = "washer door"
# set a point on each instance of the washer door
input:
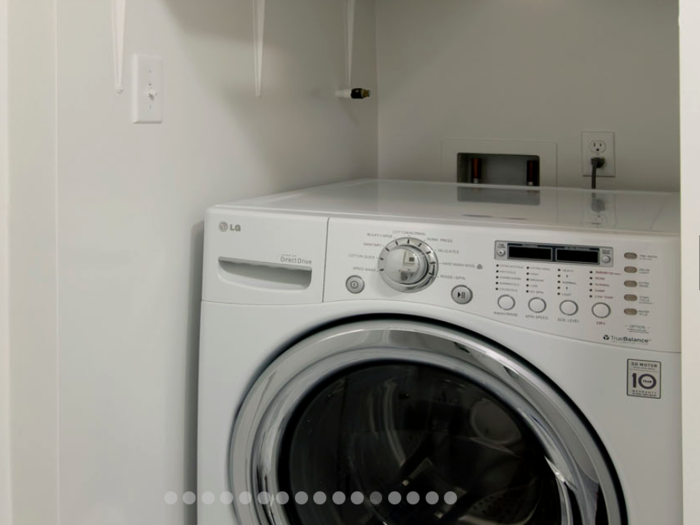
(402, 422)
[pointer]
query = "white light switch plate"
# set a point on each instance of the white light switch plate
(148, 90)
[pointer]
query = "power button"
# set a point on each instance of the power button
(355, 284)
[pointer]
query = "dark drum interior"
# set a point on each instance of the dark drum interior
(414, 429)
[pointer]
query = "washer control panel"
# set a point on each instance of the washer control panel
(607, 288)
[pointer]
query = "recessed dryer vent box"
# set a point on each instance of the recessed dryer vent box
(500, 161)
(490, 168)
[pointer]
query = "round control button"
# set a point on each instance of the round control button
(506, 302)
(631, 256)
(537, 305)
(630, 269)
(355, 284)
(568, 308)
(606, 259)
(462, 295)
(501, 252)
(601, 310)
(631, 284)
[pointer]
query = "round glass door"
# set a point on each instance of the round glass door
(430, 446)
(395, 422)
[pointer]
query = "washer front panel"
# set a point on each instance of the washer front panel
(585, 486)
(633, 303)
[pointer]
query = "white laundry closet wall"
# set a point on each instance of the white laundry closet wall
(106, 225)
(32, 261)
(5, 478)
(690, 99)
(531, 70)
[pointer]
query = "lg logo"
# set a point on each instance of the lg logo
(225, 227)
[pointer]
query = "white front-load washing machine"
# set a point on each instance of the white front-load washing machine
(387, 352)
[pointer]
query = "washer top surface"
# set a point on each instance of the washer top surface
(558, 208)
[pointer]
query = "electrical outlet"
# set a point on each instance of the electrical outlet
(598, 144)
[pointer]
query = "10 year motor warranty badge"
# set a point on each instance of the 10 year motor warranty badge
(644, 379)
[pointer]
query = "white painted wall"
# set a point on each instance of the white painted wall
(33, 323)
(530, 70)
(5, 465)
(116, 231)
(690, 189)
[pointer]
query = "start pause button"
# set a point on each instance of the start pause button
(462, 295)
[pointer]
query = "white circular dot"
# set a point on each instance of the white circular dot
(319, 498)
(394, 498)
(264, 498)
(301, 498)
(375, 498)
(171, 498)
(226, 498)
(338, 498)
(357, 498)
(413, 498)
(450, 498)
(282, 498)
(208, 498)
(188, 498)
(245, 498)
(432, 498)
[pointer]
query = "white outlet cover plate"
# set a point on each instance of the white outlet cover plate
(587, 152)
(147, 105)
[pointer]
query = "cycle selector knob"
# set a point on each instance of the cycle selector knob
(408, 265)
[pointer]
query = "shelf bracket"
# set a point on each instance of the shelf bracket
(118, 27)
(258, 35)
(349, 38)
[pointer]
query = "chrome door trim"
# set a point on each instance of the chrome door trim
(573, 453)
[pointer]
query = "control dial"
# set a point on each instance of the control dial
(408, 265)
